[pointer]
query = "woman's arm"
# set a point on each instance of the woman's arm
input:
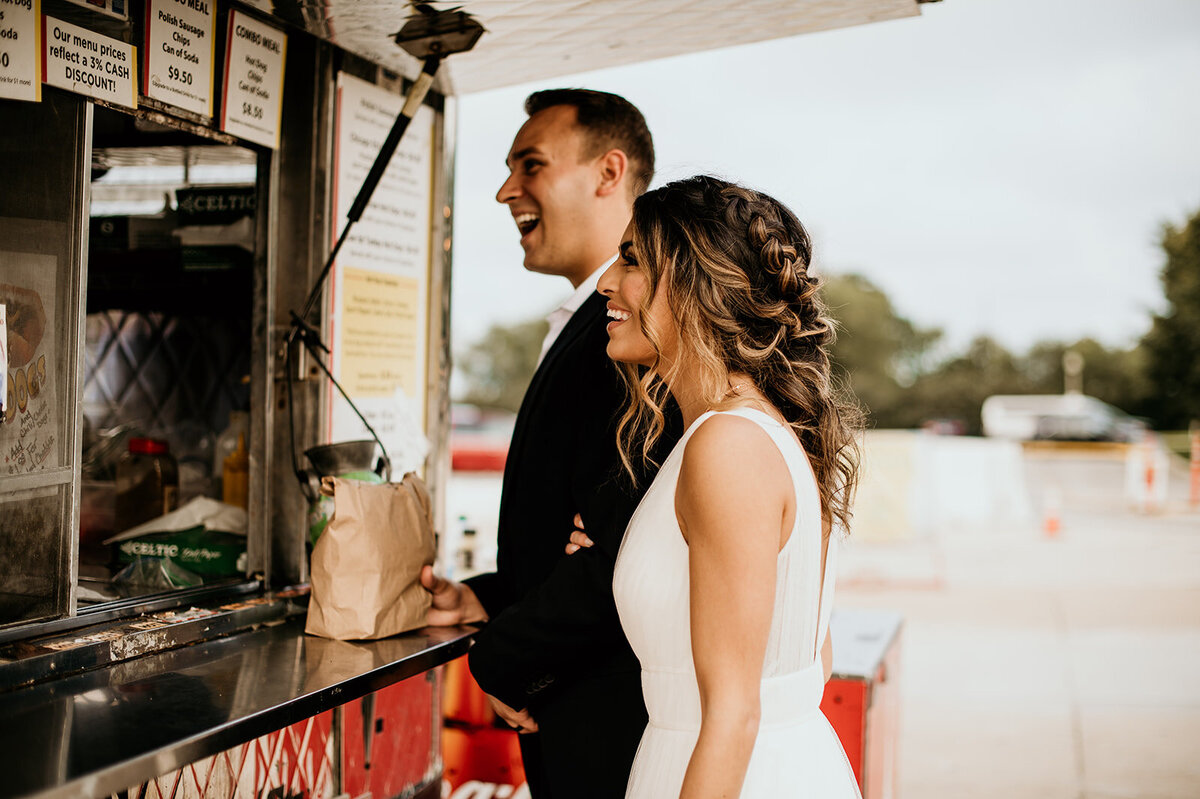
(733, 495)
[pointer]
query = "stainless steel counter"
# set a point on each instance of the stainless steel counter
(101, 731)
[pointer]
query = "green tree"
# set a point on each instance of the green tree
(1115, 376)
(881, 352)
(498, 367)
(1172, 347)
(957, 388)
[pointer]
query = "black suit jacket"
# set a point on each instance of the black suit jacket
(554, 644)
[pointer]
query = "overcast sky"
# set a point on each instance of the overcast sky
(996, 166)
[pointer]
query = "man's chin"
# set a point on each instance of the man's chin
(534, 264)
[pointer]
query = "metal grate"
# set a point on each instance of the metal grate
(296, 761)
(157, 372)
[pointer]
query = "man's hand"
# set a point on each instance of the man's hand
(579, 538)
(453, 603)
(519, 720)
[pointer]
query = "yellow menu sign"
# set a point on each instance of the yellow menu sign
(380, 335)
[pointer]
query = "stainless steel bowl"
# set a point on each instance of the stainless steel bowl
(331, 460)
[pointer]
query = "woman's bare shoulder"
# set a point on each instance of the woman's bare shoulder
(733, 462)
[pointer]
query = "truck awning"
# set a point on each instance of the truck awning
(536, 39)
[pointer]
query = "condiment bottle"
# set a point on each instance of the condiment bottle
(147, 484)
(239, 422)
(235, 476)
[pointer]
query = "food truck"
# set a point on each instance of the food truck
(176, 175)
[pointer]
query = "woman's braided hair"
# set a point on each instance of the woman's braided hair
(734, 263)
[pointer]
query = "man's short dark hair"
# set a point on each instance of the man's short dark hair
(609, 121)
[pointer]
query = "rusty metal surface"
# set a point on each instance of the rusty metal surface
(58, 654)
(132, 606)
(104, 730)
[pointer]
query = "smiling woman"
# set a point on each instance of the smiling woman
(712, 286)
(724, 580)
(640, 317)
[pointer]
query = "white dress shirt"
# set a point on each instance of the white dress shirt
(559, 317)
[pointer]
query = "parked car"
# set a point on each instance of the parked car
(1063, 417)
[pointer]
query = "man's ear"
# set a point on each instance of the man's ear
(613, 166)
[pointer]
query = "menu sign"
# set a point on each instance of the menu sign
(20, 36)
(180, 52)
(379, 305)
(80, 61)
(251, 101)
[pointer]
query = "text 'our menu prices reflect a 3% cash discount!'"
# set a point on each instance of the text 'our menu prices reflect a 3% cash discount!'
(85, 62)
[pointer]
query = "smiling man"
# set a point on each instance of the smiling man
(575, 170)
(553, 657)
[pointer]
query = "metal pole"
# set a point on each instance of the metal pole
(303, 332)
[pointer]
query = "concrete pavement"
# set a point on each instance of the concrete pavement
(1065, 667)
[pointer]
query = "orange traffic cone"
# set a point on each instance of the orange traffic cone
(1051, 513)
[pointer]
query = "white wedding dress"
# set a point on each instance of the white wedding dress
(797, 753)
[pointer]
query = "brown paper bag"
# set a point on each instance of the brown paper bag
(366, 566)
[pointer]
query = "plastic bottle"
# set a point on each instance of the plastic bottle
(147, 483)
(465, 556)
(227, 442)
(235, 475)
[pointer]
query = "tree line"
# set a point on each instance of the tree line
(895, 369)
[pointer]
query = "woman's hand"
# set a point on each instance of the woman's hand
(579, 538)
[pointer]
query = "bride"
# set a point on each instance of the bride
(725, 578)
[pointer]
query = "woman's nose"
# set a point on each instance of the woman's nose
(608, 281)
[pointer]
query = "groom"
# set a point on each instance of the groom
(552, 656)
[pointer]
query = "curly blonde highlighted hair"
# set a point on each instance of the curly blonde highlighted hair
(734, 264)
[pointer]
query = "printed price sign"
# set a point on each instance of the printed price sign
(180, 52)
(254, 58)
(80, 61)
(20, 57)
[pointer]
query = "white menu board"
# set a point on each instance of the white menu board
(87, 63)
(254, 62)
(20, 53)
(180, 52)
(378, 303)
